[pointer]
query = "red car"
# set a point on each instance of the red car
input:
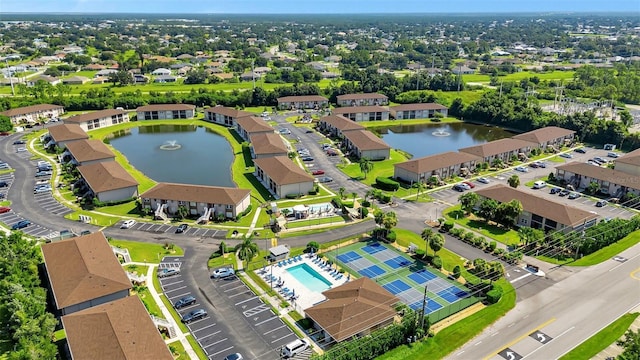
(4, 209)
(317, 172)
(471, 185)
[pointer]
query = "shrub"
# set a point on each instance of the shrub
(337, 202)
(456, 272)
(468, 236)
(391, 236)
(387, 184)
(366, 203)
(364, 211)
(494, 295)
(312, 246)
(293, 196)
(385, 198)
(456, 232)
(420, 253)
(492, 246)
(436, 262)
(448, 225)
(313, 192)
(246, 211)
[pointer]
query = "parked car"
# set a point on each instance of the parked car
(168, 272)
(325, 179)
(19, 142)
(127, 224)
(19, 150)
(601, 160)
(332, 152)
(573, 195)
(4, 166)
(566, 156)
(222, 273)
(613, 155)
(308, 131)
(469, 184)
(564, 192)
(194, 315)
(483, 180)
(581, 150)
(42, 190)
(458, 188)
(294, 348)
(20, 225)
(521, 169)
(555, 190)
(539, 184)
(85, 232)
(541, 164)
(533, 165)
(182, 228)
(43, 173)
(307, 158)
(185, 301)
(3, 184)
(465, 186)
(601, 203)
(317, 172)
(236, 356)
(4, 209)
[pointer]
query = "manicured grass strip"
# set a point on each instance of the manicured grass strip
(196, 347)
(454, 336)
(96, 219)
(600, 341)
(59, 335)
(309, 232)
(146, 252)
(500, 234)
(149, 303)
(178, 350)
(313, 222)
(608, 252)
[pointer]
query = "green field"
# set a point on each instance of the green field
(551, 75)
(146, 252)
(492, 231)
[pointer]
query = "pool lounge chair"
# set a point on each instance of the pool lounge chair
(339, 277)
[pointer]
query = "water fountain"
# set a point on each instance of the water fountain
(170, 145)
(440, 132)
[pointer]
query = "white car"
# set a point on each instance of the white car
(127, 224)
(483, 180)
(521, 169)
(222, 273)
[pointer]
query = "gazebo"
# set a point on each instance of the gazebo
(278, 253)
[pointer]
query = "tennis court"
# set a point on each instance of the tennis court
(405, 278)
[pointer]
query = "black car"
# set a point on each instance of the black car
(458, 188)
(307, 158)
(3, 184)
(555, 190)
(573, 196)
(185, 301)
(19, 142)
(564, 192)
(581, 150)
(20, 224)
(85, 232)
(194, 315)
(182, 228)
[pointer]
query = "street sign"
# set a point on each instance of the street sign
(541, 337)
(510, 354)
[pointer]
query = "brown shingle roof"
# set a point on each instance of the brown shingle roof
(544, 134)
(269, 143)
(67, 132)
(253, 124)
(361, 96)
(435, 162)
(302, 98)
(196, 193)
(105, 176)
(227, 111)
(496, 147)
(166, 107)
(352, 308)
(418, 106)
(118, 330)
(632, 158)
(30, 109)
(532, 203)
(282, 170)
(602, 173)
(359, 109)
(341, 123)
(88, 150)
(82, 269)
(365, 140)
(94, 115)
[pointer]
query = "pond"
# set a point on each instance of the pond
(177, 153)
(429, 139)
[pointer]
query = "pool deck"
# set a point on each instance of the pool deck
(307, 298)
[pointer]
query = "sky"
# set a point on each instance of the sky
(311, 7)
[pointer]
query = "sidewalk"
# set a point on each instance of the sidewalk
(180, 336)
(614, 350)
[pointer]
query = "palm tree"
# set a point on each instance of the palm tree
(182, 212)
(247, 251)
(354, 195)
(389, 220)
(365, 166)
(426, 235)
(368, 194)
(514, 181)
(436, 243)
(341, 192)
(419, 187)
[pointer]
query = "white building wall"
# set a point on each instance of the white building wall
(118, 194)
(299, 188)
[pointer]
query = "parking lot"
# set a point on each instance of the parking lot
(257, 314)
(166, 228)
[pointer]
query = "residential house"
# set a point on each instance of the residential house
(629, 163)
(62, 135)
(224, 76)
(140, 79)
(315, 65)
(613, 182)
(302, 102)
(99, 119)
(94, 67)
(364, 144)
(418, 111)
(82, 272)
(362, 99)
(444, 165)
(46, 78)
(166, 111)
(267, 145)
(538, 212)
(77, 80)
(262, 70)
(109, 181)
(463, 70)
(33, 113)
(198, 199)
(248, 76)
(161, 72)
(249, 126)
(105, 73)
(363, 113)
(224, 115)
(87, 152)
(100, 80)
(118, 330)
(550, 136)
(165, 79)
(282, 177)
(353, 310)
(336, 125)
(503, 149)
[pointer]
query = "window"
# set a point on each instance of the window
(229, 207)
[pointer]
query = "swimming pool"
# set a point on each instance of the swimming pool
(322, 207)
(309, 278)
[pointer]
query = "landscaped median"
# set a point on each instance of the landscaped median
(499, 233)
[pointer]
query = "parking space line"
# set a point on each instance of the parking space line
(264, 321)
(181, 295)
(238, 294)
(244, 301)
(284, 337)
(169, 228)
(221, 351)
(180, 288)
(197, 231)
(206, 336)
(175, 282)
(215, 343)
(206, 327)
(239, 286)
(230, 283)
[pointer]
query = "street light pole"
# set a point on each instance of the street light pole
(424, 305)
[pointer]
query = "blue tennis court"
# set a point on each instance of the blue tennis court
(374, 248)
(431, 306)
(349, 256)
(397, 262)
(397, 286)
(422, 276)
(452, 294)
(372, 271)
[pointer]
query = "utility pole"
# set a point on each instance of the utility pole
(253, 74)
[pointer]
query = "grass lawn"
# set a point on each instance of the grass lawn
(196, 347)
(609, 251)
(387, 123)
(551, 75)
(309, 232)
(146, 252)
(601, 340)
(498, 233)
(227, 260)
(96, 219)
(382, 168)
(178, 350)
(453, 336)
(126, 209)
(149, 303)
(59, 335)
(312, 222)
